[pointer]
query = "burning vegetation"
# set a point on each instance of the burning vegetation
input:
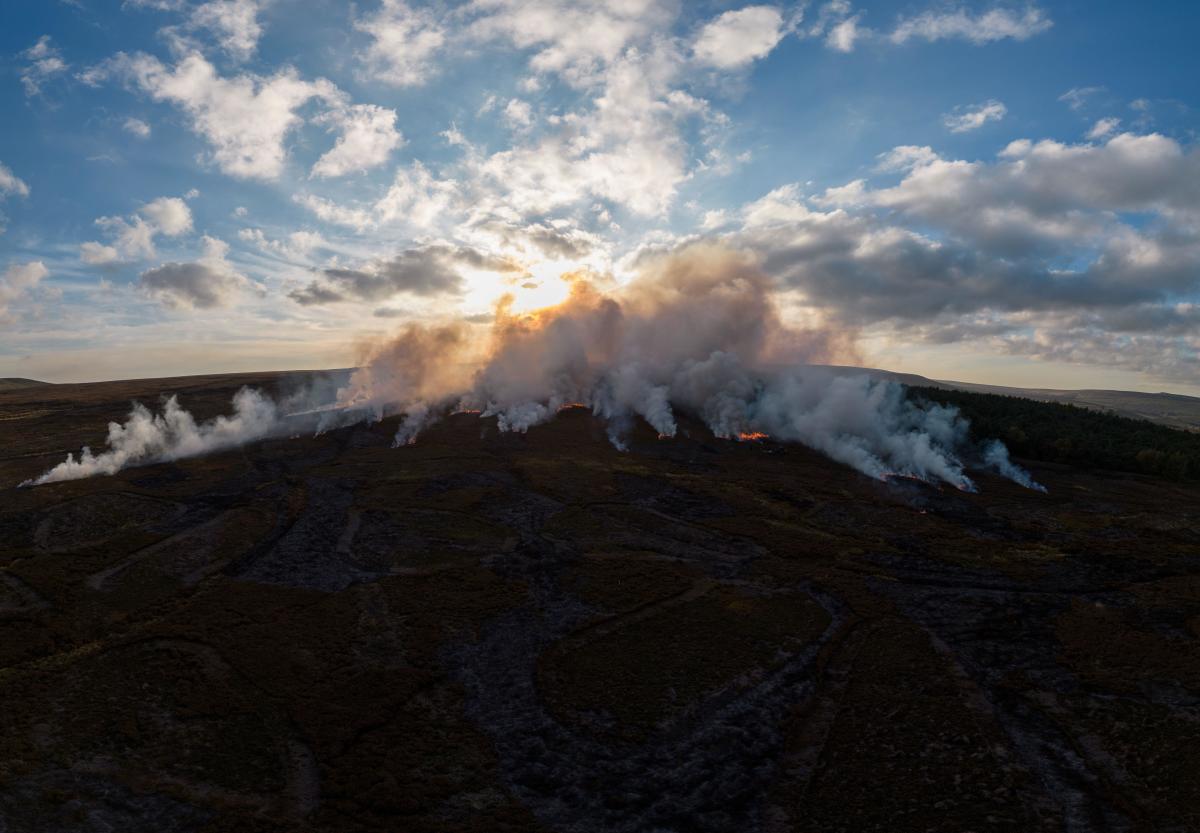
(696, 333)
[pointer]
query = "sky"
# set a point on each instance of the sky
(1006, 193)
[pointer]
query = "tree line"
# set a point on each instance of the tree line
(1064, 433)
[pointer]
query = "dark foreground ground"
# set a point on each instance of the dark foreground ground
(498, 633)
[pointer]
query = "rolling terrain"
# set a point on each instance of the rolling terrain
(1171, 409)
(502, 632)
(10, 383)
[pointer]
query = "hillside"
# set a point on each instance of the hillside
(17, 384)
(1170, 409)
(501, 632)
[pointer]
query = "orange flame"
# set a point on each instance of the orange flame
(752, 436)
(567, 406)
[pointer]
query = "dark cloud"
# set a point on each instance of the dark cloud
(556, 243)
(199, 284)
(427, 272)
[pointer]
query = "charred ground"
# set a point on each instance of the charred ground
(489, 632)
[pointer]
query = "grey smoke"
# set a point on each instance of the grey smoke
(697, 334)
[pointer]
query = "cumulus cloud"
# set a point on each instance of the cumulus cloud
(18, 280)
(416, 198)
(45, 63)
(959, 24)
(627, 147)
(245, 119)
(518, 113)
(1104, 128)
(625, 143)
(169, 215)
(98, 254)
(404, 43)
(203, 284)
(368, 137)
(974, 117)
(977, 251)
(844, 35)
(737, 38)
(133, 237)
(424, 271)
(574, 38)
(137, 127)
(233, 22)
(296, 246)
(11, 184)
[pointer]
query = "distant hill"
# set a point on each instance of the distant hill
(1170, 409)
(16, 384)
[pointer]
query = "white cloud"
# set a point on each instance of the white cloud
(45, 62)
(627, 148)
(1077, 97)
(157, 5)
(844, 35)
(404, 42)
(297, 246)
(974, 117)
(1104, 128)
(996, 24)
(18, 280)
(626, 144)
(245, 119)
(737, 38)
(97, 254)
(234, 22)
(518, 113)
(575, 38)
(906, 157)
(368, 137)
(169, 215)
(415, 198)
(1039, 196)
(10, 184)
(137, 127)
(133, 237)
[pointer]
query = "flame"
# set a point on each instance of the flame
(752, 436)
(664, 436)
(567, 406)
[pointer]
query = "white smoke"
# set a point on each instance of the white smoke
(995, 456)
(697, 334)
(147, 438)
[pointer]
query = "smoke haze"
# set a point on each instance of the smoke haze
(697, 332)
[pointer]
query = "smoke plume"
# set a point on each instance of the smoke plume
(171, 435)
(697, 333)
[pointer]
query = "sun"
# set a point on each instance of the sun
(542, 286)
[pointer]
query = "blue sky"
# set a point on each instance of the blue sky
(995, 192)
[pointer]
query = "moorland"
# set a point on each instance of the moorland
(503, 632)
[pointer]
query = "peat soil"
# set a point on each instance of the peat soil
(494, 632)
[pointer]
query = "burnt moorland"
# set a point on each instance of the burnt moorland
(496, 632)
